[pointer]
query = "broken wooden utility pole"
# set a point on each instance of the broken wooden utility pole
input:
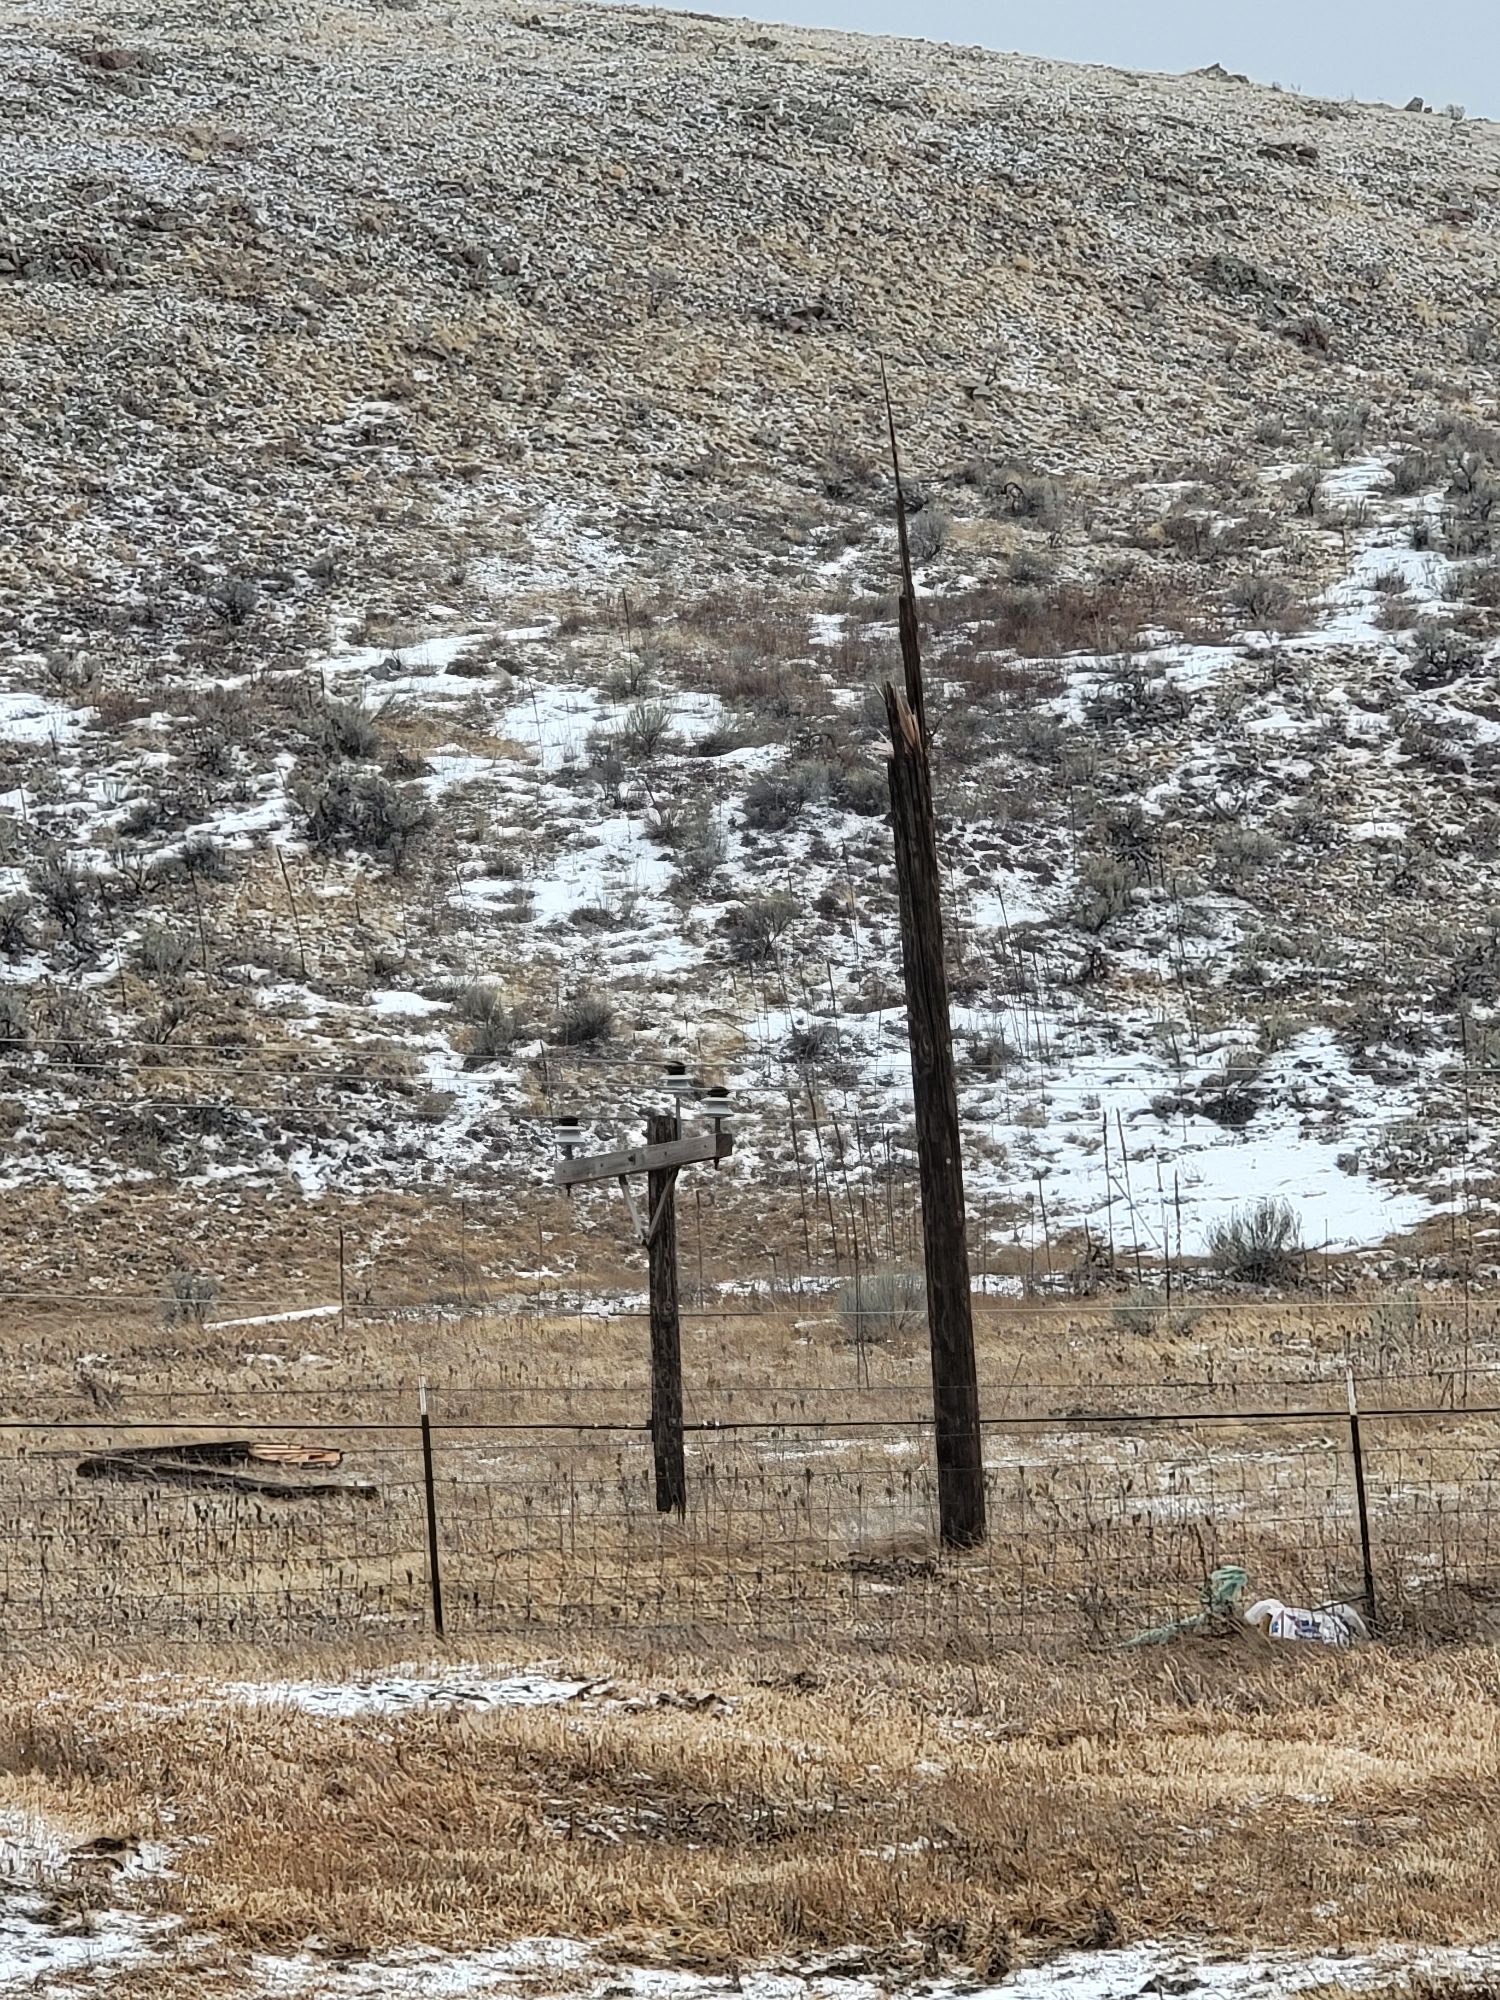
(950, 1312)
(666, 1151)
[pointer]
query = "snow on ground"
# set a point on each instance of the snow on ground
(1319, 1122)
(276, 1318)
(1319, 1134)
(48, 1940)
(566, 1967)
(564, 550)
(39, 1955)
(55, 1941)
(389, 1001)
(31, 718)
(400, 1693)
(1052, 1129)
(553, 722)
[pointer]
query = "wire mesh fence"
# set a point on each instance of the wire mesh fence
(813, 1528)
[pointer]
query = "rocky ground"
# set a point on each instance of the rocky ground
(445, 567)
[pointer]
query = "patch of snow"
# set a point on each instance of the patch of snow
(449, 768)
(433, 655)
(567, 1966)
(563, 551)
(274, 1319)
(402, 1694)
(31, 718)
(390, 1001)
(265, 816)
(42, 1949)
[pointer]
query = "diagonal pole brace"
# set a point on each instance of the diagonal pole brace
(641, 1233)
(661, 1201)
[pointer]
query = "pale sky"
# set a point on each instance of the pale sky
(1448, 51)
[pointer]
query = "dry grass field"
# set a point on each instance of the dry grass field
(894, 1814)
(787, 1731)
(1129, 1449)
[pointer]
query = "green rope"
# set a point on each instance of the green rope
(1222, 1591)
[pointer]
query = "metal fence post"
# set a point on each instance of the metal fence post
(434, 1572)
(1361, 1502)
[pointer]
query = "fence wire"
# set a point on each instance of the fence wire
(817, 1528)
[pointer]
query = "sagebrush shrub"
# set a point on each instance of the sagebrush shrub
(1106, 890)
(1229, 1094)
(1259, 1244)
(773, 800)
(353, 808)
(69, 893)
(1417, 472)
(494, 1026)
(15, 1017)
(17, 939)
(1242, 850)
(188, 1297)
(702, 850)
(1268, 602)
(235, 600)
(860, 789)
(587, 1017)
(206, 860)
(882, 1305)
(647, 729)
(927, 534)
(75, 1029)
(345, 729)
(1441, 653)
(162, 953)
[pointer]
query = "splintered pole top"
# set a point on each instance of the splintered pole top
(911, 645)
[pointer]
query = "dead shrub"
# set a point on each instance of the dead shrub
(1268, 603)
(752, 928)
(1097, 617)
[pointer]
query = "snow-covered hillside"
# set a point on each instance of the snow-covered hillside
(1219, 890)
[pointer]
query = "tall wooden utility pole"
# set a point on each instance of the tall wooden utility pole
(664, 1154)
(666, 1329)
(950, 1312)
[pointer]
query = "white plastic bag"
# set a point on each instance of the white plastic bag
(1334, 1625)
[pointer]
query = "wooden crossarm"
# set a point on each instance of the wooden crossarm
(684, 1152)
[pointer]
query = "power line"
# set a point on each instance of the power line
(1181, 1419)
(558, 1306)
(1077, 1078)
